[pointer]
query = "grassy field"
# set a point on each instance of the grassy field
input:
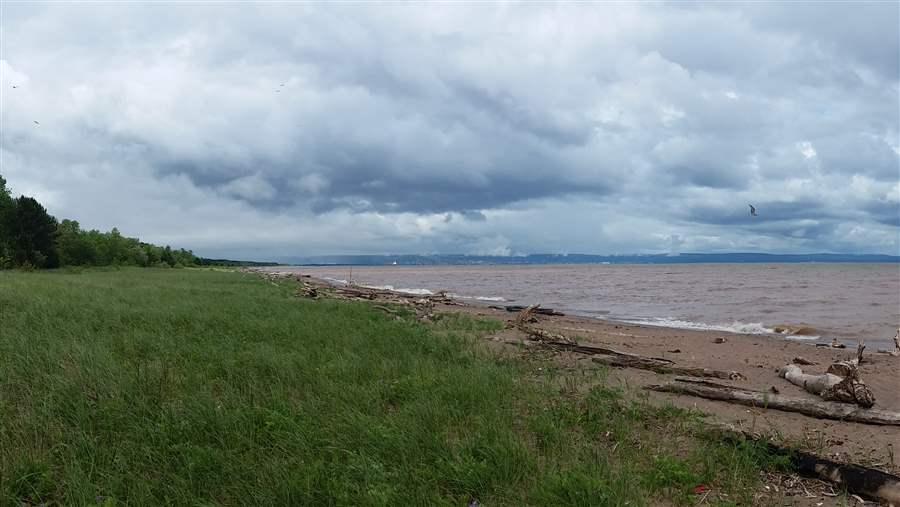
(190, 387)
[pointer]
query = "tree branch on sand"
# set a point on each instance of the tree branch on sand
(813, 408)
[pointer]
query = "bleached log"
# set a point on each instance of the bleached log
(815, 384)
(812, 408)
(846, 389)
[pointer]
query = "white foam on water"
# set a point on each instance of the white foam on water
(734, 327)
(335, 280)
(477, 298)
(415, 292)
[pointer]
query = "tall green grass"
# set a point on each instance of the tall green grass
(189, 387)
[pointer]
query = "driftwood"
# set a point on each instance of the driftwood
(896, 351)
(840, 383)
(522, 324)
(813, 408)
(612, 357)
(868, 482)
(666, 368)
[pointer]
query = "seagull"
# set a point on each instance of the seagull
(14, 86)
(36, 122)
(752, 211)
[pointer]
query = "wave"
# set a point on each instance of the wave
(735, 327)
(415, 292)
(495, 299)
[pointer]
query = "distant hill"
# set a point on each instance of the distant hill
(688, 258)
(230, 263)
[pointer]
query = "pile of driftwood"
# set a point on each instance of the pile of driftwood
(422, 305)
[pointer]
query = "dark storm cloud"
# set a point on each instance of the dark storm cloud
(451, 126)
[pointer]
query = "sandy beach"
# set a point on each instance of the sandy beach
(755, 357)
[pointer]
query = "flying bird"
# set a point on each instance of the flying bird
(14, 86)
(752, 211)
(36, 122)
(282, 84)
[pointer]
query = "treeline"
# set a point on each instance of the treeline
(32, 238)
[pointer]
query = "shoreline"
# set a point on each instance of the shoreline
(797, 333)
(755, 356)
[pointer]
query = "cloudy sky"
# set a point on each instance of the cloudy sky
(265, 131)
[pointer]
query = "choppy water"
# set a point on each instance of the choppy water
(844, 301)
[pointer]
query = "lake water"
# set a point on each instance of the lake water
(844, 301)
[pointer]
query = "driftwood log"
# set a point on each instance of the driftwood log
(867, 482)
(665, 368)
(840, 383)
(813, 408)
(522, 323)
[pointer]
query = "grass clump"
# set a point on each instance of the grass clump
(150, 387)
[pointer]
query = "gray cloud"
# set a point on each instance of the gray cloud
(460, 128)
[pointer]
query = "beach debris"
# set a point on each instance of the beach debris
(896, 351)
(674, 351)
(527, 317)
(720, 340)
(835, 344)
(610, 357)
(859, 481)
(840, 383)
(665, 368)
(805, 406)
(803, 361)
(308, 291)
(774, 390)
(537, 310)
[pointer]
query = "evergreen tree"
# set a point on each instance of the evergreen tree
(33, 235)
(7, 208)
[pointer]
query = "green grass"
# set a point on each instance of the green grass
(190, 387)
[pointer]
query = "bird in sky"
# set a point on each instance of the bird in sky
(752, 211)
(36, 122)
(15, 86)
(282, 84)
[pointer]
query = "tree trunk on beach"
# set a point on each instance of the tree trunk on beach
(813, 408)
(644, 363)
(858, 480)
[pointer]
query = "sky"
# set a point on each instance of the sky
(267, 131)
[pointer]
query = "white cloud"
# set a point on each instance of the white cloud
(566, 128)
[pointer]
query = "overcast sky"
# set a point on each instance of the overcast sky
(253, 131)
